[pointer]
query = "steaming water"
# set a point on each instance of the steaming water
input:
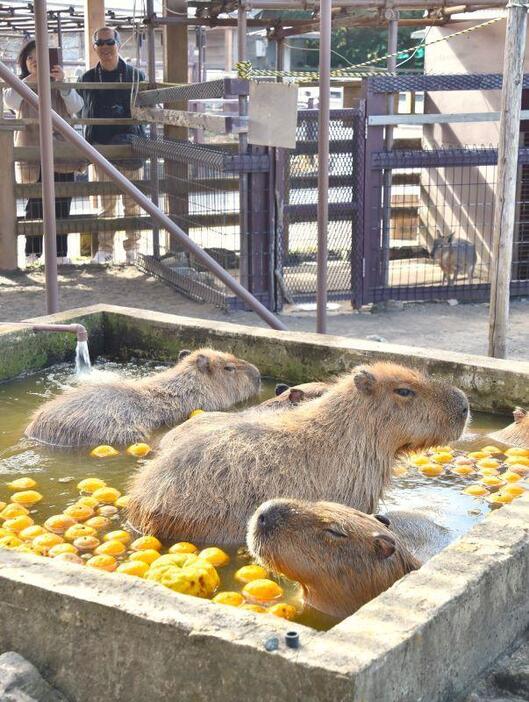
(82, 358)
(58, 472)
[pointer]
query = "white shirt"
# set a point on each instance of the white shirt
(72, 100)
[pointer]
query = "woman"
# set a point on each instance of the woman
(65, 103)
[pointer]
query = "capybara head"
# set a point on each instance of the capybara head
(341, 557)
(517, 433)
(288, 397)
(410, 410)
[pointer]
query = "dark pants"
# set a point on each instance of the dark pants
(62, 210)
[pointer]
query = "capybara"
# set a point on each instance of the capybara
(515, 434)
(339, 447)
(287, 397)
(342, 558)
(127, 411)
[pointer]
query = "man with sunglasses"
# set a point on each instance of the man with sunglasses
(115, 104)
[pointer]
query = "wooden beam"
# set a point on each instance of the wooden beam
(94, 18)
(8, 204)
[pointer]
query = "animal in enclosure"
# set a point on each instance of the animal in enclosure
(128, 411)
(340, 447)
(288, 397)
(342, 558)
(455, 257)
(515, 434)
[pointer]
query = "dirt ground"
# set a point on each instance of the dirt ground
(462, 327)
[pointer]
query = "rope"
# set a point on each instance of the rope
(246, 71)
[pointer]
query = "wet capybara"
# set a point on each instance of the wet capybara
(288, 397)
(126, 411)
(515, 434)
(339, 447)
(342, 558)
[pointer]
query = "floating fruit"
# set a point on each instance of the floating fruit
(103, 562)
(148, 555)
(18, 523)
(10, 542)
(111, 548)
(90, 485)
(510, 489)
(59, 523)
(463, 461)
(22, 484)
(183, 547)
(517, 460)
(196, 413)
(501, 498)
(87, 501)
(477, 455)
(26, 497)
(284, 610)
(492, 450)
(443, 449)
(475, 490)
(2, 506)
(399, 470)
(107, 511)
(139, 450)
(443, 457)
(511, 476)
(216, 556)
(79, 512)
(98, 522)
(146, 542)
(254, 608)
(30, 532)
(137, 568)
(122, 501)
(463, 469)
(516, 468)
(262, 589)
(419, 459)
(517, 452)
(108, 495)
(491, 481)
(118, 535)
(86, 543)
(195, 576)
(233, 599)
(431, 469)
(11, 511)
(488, 463)
(69, 558)
(42, 544)
(78, 530)
(104, 451)
(61, 548)
(489, 471)
(250, 572)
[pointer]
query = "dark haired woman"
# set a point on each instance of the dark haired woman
(65, 103)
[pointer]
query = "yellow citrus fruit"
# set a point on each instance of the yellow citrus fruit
(2, 506)
(253, 608)
(78, 530)
(58, 523)
(137, 568)
(233, 599)
(18, 523)
(183, 547)
(185, 573)
(501, 498)
(488, 463)
(511, 477)
(103, 562)
(216, 556)
(491, 450)
(90, 485)
(26, 497)
(431, 470)
(491, 481)
(61, 548)
(107, 511)
(69, 558)
(517, 460)
(87, 501)
(463, 460)
(139, 450)
(443, 457)
(98, 522)
(146, 542)
(13, 511)
(419, 460)
(284, 610)
(86, 543)
(250, 572)
(148, 555)
(477, 455)
(43, 543)
(475, 490)
(262, 589)
(10, 542)
(30, 532)
(514, 490)
(79, 512)
(196, 413)
(118, 535)
(515, 468)
(122, 501)
(489, 471)
(108, 495)
(111, 548)
(443, 449)
(104, 451)
(22, 484)
(399, 470)
(462, 469)
(517, 452)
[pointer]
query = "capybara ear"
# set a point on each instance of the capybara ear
(384, 544)
(382, 519)
(280, 388)
(365, 381)
(296, 396)
(203, 363)
(183, 353)
(519, 414)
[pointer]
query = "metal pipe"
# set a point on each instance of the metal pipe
(163, 220)
(46, 157)
(323, 162)
(78, 329)
(244, 265)
(153, 128)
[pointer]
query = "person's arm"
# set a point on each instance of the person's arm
(72, 100)
(12, 99)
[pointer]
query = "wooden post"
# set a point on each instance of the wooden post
(504, 211)
(94, 18)
(8, 203)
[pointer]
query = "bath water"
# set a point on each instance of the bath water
(57, 472)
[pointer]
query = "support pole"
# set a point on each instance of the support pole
(153, 129)
(504, 211)
(46, 157)
(245, 264)
(94, 18)
(323, 162)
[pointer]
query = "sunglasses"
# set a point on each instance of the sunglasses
(105, 42)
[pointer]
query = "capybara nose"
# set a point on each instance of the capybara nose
(271, 515)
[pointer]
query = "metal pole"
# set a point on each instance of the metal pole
(46, 156)
(504, 210)
(153, 129)
(244, 265)
(163, 220)
(323, 162)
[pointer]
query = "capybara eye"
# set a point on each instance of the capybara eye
(230, 367)
(405, 392)
(335, 532)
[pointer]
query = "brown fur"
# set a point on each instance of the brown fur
(126, 411)
(339, 447)
(341, 557)
(517, 433)
(296, 395)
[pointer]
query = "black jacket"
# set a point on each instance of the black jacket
(109, 103)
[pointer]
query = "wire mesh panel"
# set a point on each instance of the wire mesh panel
(297, 245)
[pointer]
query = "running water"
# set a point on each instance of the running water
(82, 358)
